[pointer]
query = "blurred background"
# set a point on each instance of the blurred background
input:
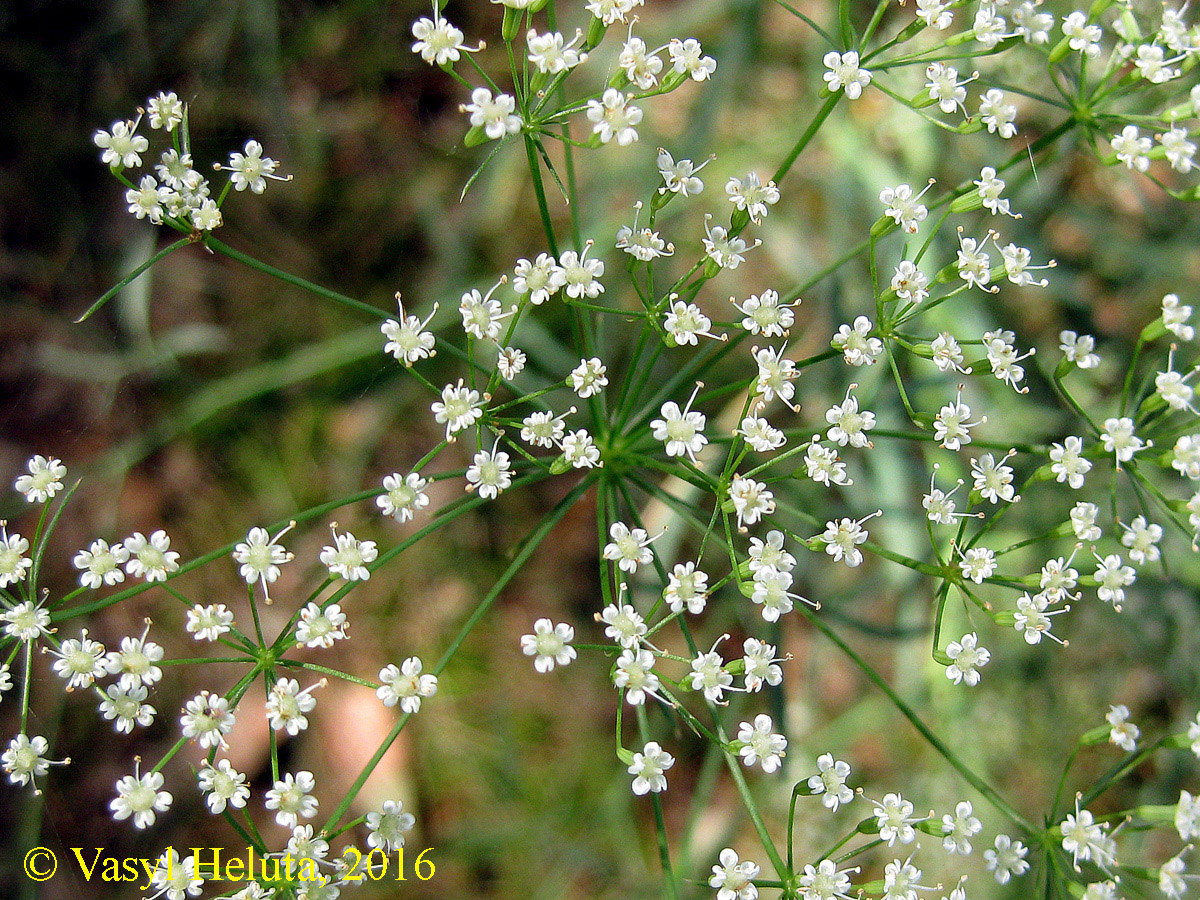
(208, 398)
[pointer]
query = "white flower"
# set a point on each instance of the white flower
(1079, 349)
(771, 592)
(1083, 37)
(900, 880)
(990, 187)
(261, 556)
(438, 42)
(910, 283)
(1118, 438)
(81, 661)
(945, 88)
(1006, 858)
(589, 378)
(825, 882)
(490, 472)
(830, 782)
(726, 251)
(1187, 816)
(287, 705)
(763, 314)
(946, 353)
(348, 557)
(761, 664)
(894, 818)
(166, 111)
(539, 279)
(684, 321)
(751, 195)
(483, 316)
(1002, 356)
(150, 558)
(122, 145)
(997, 115)
(989, 28)
(761, 435)
(25, 759)
(1066, 462)
(858, 347)
(407, 336)
(967, 658)
(1112, 577)
(629, 548)
(581, 276)
(847, 424)
(406, 685)
(688, 57)
(901, 204)
(387, 826)
(951, 427)
(404, 496)
(625, 625)
(224, 786)
(141, 798)
(1122, 732)
(1017, 266)
(1178, 149)
(1153, 65)
(1085, 839)
(292, 799)
(1172, 881)
(642, 243)
(580, 450)
(977, 563)
(1083, 521)
(1033, 621)
(613, 116)
(611, 11)
(1032, 25)
(1131, 148)
(734, 880)
(823, 465)
(510, 363)
(843, 537)
(1142, 537)
(207, 718)
(496, 116)
(251, 169)
(648, 769)
(679, 177)
(549, 645)
(751, 500)
(640, 65)
(686, 586)
(958, 829)
(1185, 456)
(1175, 316)
(681, 431)
(146, 200)
(775, 375)
(458, 409)
(993, 479)
(208, 623)
(974, 265)
(762, 744)
(127, 707)
(1173, 386)
(14, 564)
(99, 564)
(135, 661)
(935, 13)
(844, 73)
(708, 674)
(550, 53)
(939, 507)
(321, 627)
(634, 674)
(1058, 578)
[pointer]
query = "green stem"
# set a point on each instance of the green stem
(135, 274)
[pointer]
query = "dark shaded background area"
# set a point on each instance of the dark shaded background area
(209, 398)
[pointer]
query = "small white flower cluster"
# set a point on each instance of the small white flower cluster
(176, 193)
